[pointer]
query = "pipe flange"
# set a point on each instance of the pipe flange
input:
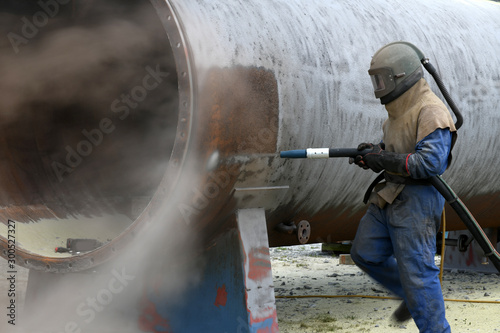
(303, 231)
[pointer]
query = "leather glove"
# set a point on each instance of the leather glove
(358, 160)
(380, 159)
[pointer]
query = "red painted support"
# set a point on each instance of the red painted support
(235, 293)
(258, 276)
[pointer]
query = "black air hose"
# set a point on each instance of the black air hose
(470, 222)
(432, 70)
(467, 218)
(438, 182)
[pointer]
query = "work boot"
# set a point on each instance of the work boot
(402, 313)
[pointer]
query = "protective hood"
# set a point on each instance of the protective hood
(414, 115)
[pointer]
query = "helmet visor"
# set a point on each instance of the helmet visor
(382, 80)
(378, 82)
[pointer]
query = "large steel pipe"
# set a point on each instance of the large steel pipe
(250, 79)
(92, 128)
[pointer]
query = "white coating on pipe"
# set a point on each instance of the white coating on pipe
(320, 52)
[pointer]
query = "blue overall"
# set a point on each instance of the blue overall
(396, 245)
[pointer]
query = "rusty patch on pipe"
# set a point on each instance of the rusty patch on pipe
(238, 120)
(239, 105)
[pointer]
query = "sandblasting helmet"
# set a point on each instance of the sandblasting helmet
(394, 69)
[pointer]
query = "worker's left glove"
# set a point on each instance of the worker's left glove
(380, 159)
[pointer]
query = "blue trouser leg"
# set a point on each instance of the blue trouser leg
(396, 247)
(372, 251)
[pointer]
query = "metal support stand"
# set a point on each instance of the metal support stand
(235, 292)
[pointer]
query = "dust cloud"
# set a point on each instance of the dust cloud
(88, 114)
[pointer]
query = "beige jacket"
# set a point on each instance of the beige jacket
(412, 116)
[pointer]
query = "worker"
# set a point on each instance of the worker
(395, 243)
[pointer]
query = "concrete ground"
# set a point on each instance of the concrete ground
(306, 271)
